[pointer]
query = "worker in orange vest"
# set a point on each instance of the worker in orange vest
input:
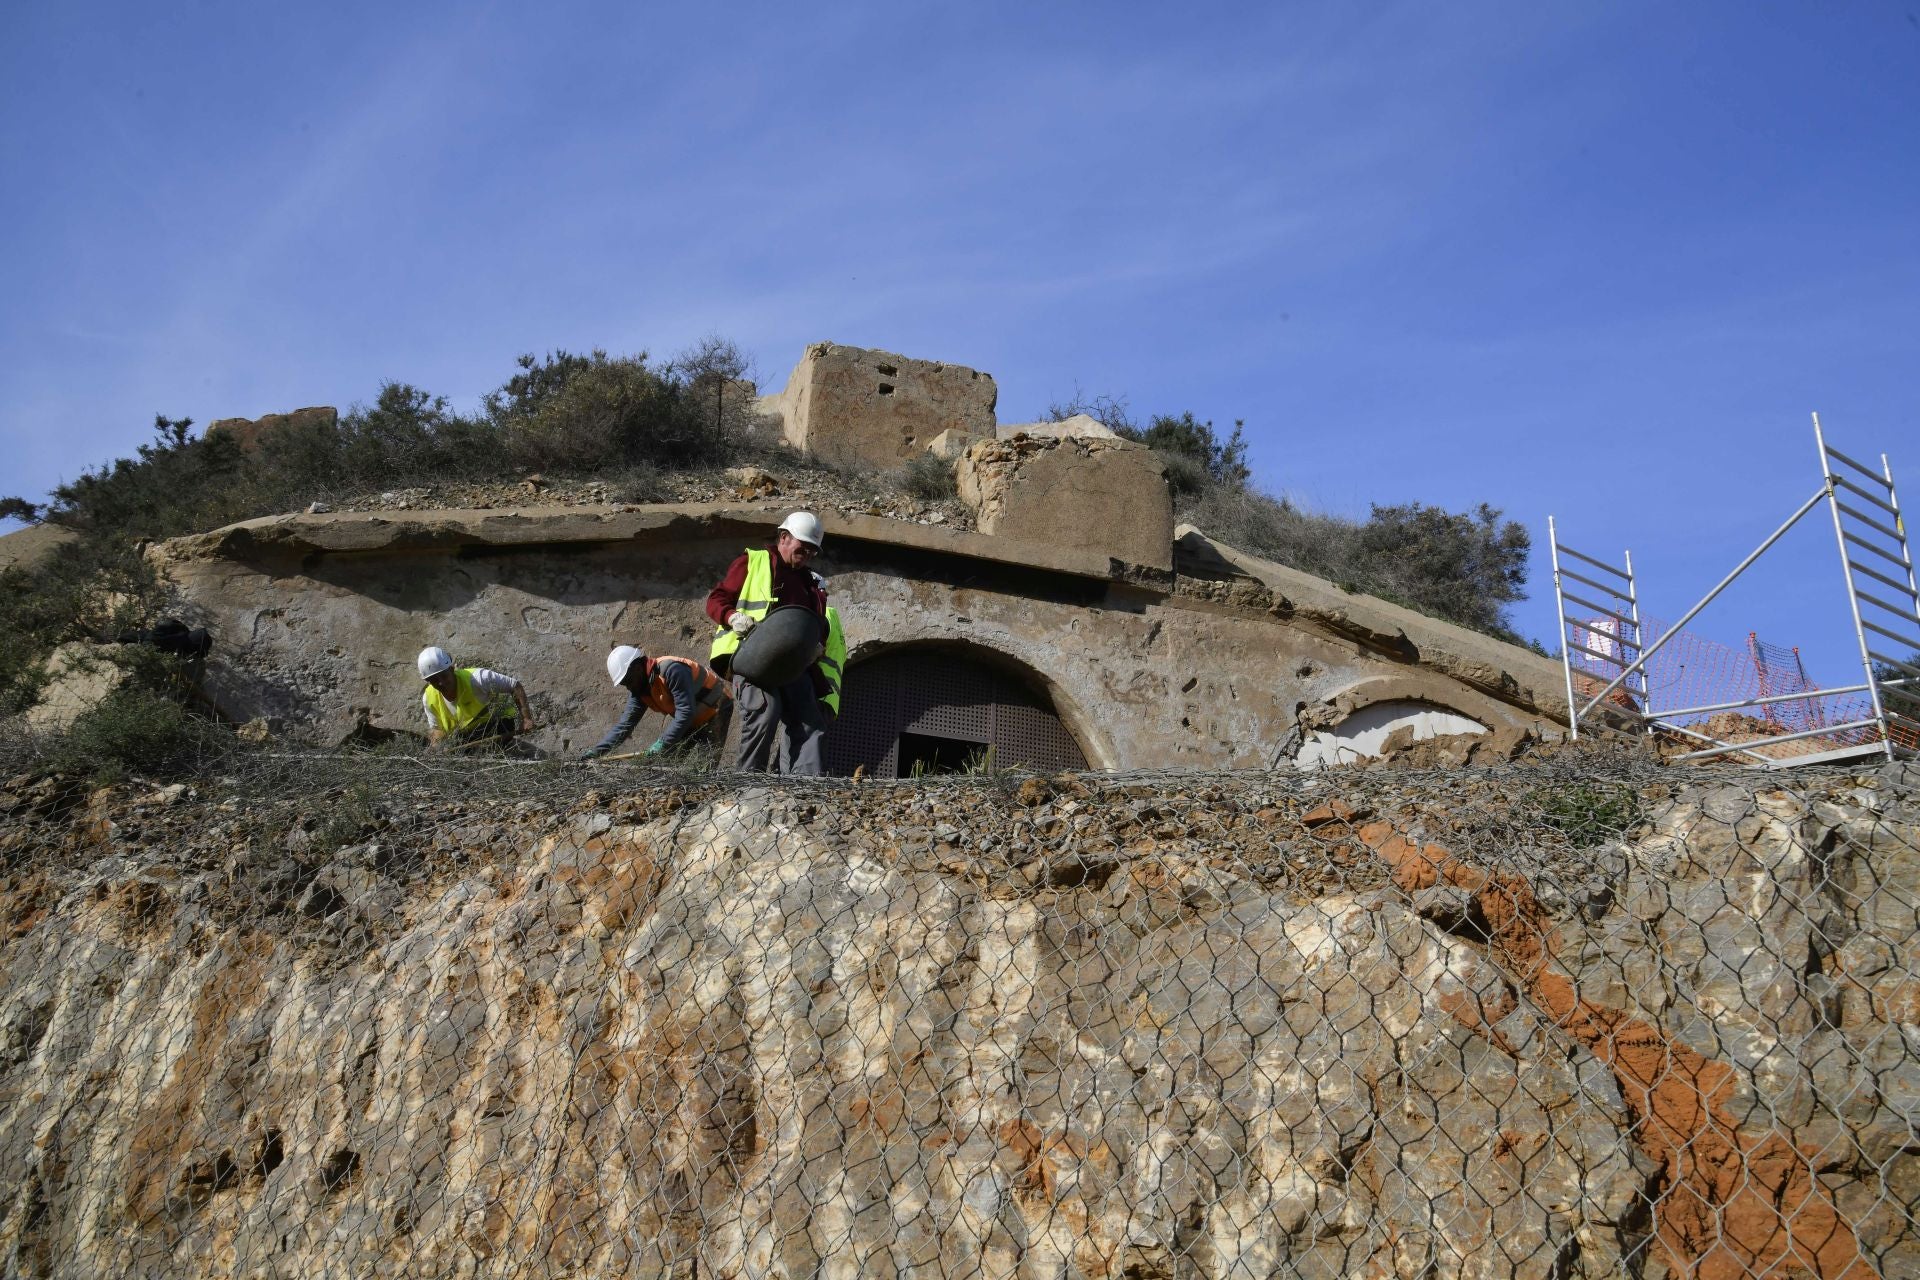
(688, 692)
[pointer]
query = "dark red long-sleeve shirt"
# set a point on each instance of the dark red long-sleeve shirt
(791, 586)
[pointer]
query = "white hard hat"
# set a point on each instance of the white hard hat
(805, 526)
(621, 660)
(433, 660)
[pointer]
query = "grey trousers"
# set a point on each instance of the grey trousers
(763, 713)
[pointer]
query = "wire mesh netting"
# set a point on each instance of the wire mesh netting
(1577, 1016)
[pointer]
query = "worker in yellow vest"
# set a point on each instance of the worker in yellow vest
(471, 704)
(696, 700)
(831, 664)
(758, 581)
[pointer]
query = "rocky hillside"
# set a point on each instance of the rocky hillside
(1579, 1017)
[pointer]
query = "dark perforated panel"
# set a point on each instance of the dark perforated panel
(948, 699)
(1033, 737)
(943, 695)
(868, 730)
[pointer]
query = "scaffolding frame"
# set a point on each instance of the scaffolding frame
(1895, 709)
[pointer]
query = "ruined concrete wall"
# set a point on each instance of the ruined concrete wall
(852, 404)
(315, 616)
(1091, 1028)
(249, 432)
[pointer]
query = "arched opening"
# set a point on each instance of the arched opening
(1379, 728)
(939, 708)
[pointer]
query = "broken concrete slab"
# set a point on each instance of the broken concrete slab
(1080, 426)
(1104, 495)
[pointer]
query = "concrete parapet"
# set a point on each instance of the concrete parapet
(1107, 496)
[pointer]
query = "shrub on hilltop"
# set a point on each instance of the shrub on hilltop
(567, 415)
(584, 414)
(1463, 567)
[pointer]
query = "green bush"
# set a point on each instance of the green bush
(1587, 813)
(568, 415)
(171, 485)
(85, 589)
(928, 476)
(1464, 568)
(639, 483)
(138, 729)
(583, 414)
(407, 437)
(1187, 477)
(1196, 458)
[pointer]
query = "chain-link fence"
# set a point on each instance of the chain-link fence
(1580, 1016)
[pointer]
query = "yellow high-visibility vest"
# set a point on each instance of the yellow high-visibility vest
(467, 708)
(756, 599)
(833, 659)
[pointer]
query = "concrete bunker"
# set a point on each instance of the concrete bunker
(941, 706)
(1224, 661)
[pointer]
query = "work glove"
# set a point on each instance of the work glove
(740, 622)
(655, 749)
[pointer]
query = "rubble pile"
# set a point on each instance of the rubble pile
(793, 480)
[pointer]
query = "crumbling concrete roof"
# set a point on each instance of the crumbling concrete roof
(349, 532)
(1508, 670)
(1505, 671)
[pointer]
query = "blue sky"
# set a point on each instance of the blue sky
(1598, 260)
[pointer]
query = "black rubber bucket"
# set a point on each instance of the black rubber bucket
(780, 649)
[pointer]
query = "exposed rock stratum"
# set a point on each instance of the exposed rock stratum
(1235, 1025)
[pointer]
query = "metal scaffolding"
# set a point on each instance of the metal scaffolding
(1610, 636)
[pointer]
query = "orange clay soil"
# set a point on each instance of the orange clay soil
(1735, 1205)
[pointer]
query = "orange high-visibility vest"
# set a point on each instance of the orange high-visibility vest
(710, 691)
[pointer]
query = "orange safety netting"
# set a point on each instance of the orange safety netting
(1690, 670)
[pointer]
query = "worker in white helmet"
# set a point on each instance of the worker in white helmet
(760, 580)
(696, 700)
(471, 704)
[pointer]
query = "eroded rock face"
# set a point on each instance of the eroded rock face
(80, 676)
(1083, 1028)
(1105, 495)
